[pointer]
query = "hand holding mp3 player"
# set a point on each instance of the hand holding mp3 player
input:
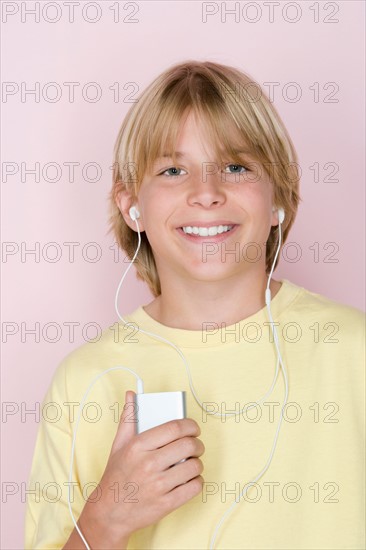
(139, 469)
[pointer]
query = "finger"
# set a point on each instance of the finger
(168, 432)
(177, 451)
(181, 494)
(127, 425)
(182, 473)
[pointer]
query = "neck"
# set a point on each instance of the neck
(224, 302)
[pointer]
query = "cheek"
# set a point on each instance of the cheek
(256, 203)
(254, 191)
(154, 219)
(159, 205)
(262, 202)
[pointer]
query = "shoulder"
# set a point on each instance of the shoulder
(314, 303)
(323, 315)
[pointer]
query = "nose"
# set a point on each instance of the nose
(206, 190)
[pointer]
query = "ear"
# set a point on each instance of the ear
(124, 201)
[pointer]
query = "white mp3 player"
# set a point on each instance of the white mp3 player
(153, 409)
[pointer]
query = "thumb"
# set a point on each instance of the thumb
(127, 424)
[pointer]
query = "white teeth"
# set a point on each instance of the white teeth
(207, 231)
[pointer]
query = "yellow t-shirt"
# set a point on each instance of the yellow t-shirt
(312, 495)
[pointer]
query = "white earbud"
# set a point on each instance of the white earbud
(134, 213)
(281, 213)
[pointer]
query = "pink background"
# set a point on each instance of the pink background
(305, 52)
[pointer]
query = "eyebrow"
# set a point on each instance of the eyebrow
(179, 154)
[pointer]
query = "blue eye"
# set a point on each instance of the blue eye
(237, 166)
(170, 175)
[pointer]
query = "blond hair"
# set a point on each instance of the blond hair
(229, 103)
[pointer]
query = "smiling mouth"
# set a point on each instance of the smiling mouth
(211, 231)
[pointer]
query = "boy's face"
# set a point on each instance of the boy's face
(198, 192)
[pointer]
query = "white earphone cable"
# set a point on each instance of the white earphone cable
(140, 387)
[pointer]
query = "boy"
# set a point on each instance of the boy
(208, 164)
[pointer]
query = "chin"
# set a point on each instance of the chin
(211, 272)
